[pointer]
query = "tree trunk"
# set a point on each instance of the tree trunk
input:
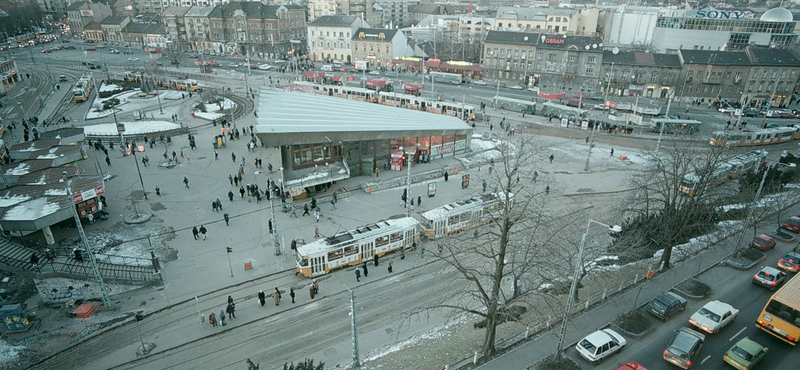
(491, 309)
(665, 257)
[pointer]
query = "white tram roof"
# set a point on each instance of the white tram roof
(459, 206)
(400, 95)
(513, 100)
(360, 233)
(729, 164)
(759, 131)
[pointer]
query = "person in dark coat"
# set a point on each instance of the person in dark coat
(227, 219)
(419, 200)
(376, 259)
(305, 210)
(262, 298)
(241, 192)
(195, 233)
(445, 176)
(358, 276)
(230, 195)
(366, 272)
(291, 294)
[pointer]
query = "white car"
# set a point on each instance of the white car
(712, 317)
(725, 109)
(264, 67)
(600, 344)
(479, 82)
(133, 59)
(374, 73)
(515, 87)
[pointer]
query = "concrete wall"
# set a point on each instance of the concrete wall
(59, 290)
(675, 39)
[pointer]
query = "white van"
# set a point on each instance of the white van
(327, 68)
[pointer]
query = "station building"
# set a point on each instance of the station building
(324, 138)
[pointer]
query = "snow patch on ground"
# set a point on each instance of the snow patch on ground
(215, 110)
(12, 200)
(697, 244)
(434, 333)
(9, 353)
(209, 116)
(769, 201)
(110, 87)
(131, 128)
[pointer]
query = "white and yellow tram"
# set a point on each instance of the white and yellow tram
(459, 216)
(355, 246)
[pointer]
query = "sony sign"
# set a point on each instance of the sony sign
(719, 14)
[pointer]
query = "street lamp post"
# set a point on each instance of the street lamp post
(661, 131)
(574, 286)
(89, 251)
(274, 221)
(755, 202)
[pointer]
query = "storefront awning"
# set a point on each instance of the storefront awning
(546, 95)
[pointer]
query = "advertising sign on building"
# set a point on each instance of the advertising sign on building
(87, 13)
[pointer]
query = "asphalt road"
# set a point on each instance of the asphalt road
(730, 286)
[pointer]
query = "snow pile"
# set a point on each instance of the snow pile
(769, 201)
(21, 169)
(697, 244)
(310, 177)
(47, 156)
(38, 182)
(110, 87)
(12, 200)
(9, 353)
(55, 192)
(215, 110)
(437, 333)
(131, 128)
(31, 210)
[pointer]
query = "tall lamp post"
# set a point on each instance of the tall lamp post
(574, 286)
(274, 221)
(89, 251)
(755, 202)
(408, 180)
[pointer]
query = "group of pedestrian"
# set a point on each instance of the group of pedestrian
(230, 309)
(216, 205)
(257, 161)
(197, 232)
(375, 261)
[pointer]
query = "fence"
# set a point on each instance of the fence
(108, 258)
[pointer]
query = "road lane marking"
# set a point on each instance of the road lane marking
(705, 359)
(737, 334)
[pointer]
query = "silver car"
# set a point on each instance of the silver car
(769, 277)
(684, 348)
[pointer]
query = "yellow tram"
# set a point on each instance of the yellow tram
(459, 216)
(355, 246)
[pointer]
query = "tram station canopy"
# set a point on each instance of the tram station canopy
(291, 117)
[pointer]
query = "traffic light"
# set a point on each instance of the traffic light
(230, 250)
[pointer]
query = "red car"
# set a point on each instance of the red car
(763, 242)
(792, 224)
(633, 365)
(253, 66)
(91, 49)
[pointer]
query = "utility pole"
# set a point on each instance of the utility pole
(275, 241)
(661, 132)
(353, 331)
(89, 251)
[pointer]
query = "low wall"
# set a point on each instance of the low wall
(377, 185)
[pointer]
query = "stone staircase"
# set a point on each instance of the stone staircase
(15, 258)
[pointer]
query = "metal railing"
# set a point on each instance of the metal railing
(108, 258)
(140, 275)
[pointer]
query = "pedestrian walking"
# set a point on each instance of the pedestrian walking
(227, 219)
(390, 266)
(552, 157)
(233, 157)
(484, 185)
(230, 178)
(158, 191)
(186, 182)
(294, 212)
(419, 201)
(358, 275)
(216, 154)
(241, 192)
(366, 271)
(376, 259)
(291, 294)
(108, 161)
(311, 289)
(262, 298)
(316, 231)
(333, 202)
(195, 232)
(219, 204)
(230, 195)
(214, 206)
(305, 210)
(612, 152)
(203, 231)
(445, 176)
(276, 296)
(317, 214)
(212, 319)
(222, 317)
(231, 310)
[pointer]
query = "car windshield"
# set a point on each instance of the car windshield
(658, 305)
(794, 222)
(742, 353)
(766, 275)
(760, 241)
(710, 315)
(588, 346)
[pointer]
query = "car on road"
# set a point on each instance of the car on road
(790, 262)
(600, 344)
(713, 316)
(633, 365)
(47, 50)
(133, 59)
(233, 65)
(726, 109)
(253, 66)
(374, 73)
(745, 354)
(62, 78)
(792, 224)
(69, 47)
(763, 242)
(91, 49)
(264, 67)
(769, 277)
(127, 52)
(665, 305)
(684, 348)
(515, 87)
(750, 112)
(114, 51)
(479, 82)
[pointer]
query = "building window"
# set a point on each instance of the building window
(774, 73)
(592, 60)
(750, 87)
(761, 87)
(653, 77)
(572, 58)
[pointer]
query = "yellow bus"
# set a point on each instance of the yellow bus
(781, 315)
(355, 246)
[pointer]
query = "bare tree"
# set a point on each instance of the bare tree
(673, 201)
(500, 251)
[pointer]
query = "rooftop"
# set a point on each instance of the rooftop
(374, 34)
(334, 20)
(632, 58)
(113, 19)
(286, 117)
(714, 57)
